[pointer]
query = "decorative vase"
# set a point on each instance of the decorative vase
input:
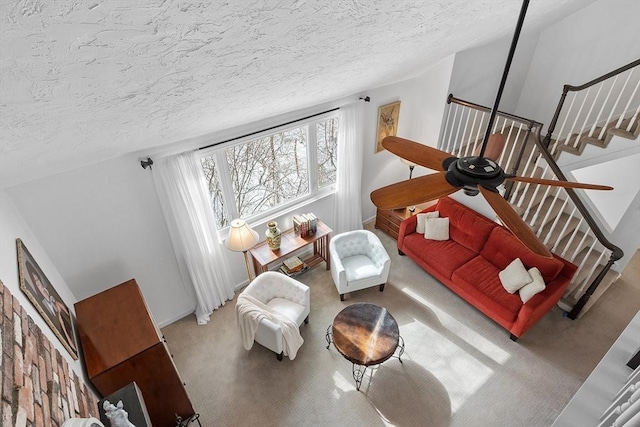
(273, 235)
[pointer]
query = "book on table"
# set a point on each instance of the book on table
(297, 224)
(305, 225)
(293, 264)
(284, 270)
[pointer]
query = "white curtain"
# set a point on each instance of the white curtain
(187, 210)
(347, 211)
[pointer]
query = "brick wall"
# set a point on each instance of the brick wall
(38, 388)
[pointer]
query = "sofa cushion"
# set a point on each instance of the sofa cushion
(289, 309)
(478, 283)
(359, 267)
(444, 256)
(421, 220)
(502, 247)
(466, 226)
(436, 228)
(515, 276)
(536, 286)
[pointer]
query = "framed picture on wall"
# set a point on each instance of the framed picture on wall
(45, 299)
(387, 122)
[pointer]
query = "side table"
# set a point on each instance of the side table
(389, 221)
(366, 335)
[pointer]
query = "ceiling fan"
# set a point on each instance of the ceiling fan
(474, 174)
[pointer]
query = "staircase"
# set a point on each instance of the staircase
(590, 114)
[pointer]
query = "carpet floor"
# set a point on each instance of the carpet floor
(459, 367)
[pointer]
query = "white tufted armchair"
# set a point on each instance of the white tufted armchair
(284, 296)
(358, 261)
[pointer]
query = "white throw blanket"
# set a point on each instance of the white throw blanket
(250, 311)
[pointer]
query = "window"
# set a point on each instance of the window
(262, 175)
(327, 152)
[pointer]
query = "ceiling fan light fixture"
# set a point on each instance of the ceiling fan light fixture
(469, 172)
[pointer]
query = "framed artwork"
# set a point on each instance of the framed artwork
(45, 299)
(387, 123)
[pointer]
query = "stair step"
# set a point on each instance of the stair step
(623, 133)
(567, 303)
(521, 207)
(571, 147)
(608, 280)
(520, 188)
(592, 140)
(568, 149)
(560, 231)
(550, 208)
(528, 148)
(587, 266)
(577, 246)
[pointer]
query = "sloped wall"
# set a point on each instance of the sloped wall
(597, 39)
(477, 72)
(42, 385)
(38, 387)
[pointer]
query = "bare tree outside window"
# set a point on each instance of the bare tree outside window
(327, 138)
(271, 171)
(217, 201)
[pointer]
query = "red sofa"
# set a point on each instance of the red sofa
(469, 262)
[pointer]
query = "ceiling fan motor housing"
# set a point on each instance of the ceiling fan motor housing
(469, 172)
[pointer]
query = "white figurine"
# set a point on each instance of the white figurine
(116, 414)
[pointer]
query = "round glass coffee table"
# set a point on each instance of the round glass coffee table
(366, 335)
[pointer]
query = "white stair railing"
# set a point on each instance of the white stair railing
(553, 214)
(596, 110)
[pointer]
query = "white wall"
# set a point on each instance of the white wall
(597, 393)
(102, 225)
(477, 72)
(601, 37)
(12, 227)
(625, 195)
(423, 102)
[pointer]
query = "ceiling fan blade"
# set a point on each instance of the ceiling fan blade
(412, 191)
(513, 222)
(417, 153)
(556, 183)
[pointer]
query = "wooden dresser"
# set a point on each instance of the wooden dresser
(121, 344)
(389, 220)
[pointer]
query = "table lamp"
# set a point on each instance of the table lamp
(410, 164)
(241, 239)
(411, 167)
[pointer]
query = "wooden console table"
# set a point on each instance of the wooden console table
(291, 241)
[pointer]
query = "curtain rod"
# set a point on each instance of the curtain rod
(366, 99)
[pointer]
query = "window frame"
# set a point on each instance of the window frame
(315, 193)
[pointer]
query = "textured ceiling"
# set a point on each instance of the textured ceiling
(84, 81)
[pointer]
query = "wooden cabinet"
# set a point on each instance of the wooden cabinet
(121, 344)
(389, 220)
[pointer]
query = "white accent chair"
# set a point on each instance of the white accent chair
(358, 261)
(285, 296)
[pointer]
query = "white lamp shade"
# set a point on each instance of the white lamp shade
(241, 236)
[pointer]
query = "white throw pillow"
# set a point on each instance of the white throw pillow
(422, 217)
(515, 276)
(436, 228)
(536, 286)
